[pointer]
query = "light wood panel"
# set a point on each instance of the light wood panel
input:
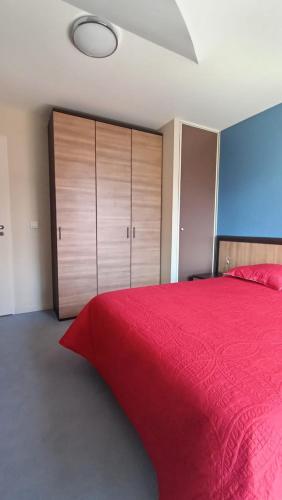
(243, 254)
(74, 173)
(113, 166)
(146, 208)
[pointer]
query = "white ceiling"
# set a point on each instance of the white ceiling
(159, 21)
(238, 44)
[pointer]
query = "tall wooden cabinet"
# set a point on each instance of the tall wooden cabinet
(105, 183)
(189, 190)
(113, 167)
(73, 209)
(146, 208)
(197, 201)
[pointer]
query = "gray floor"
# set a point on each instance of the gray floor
(63, 436)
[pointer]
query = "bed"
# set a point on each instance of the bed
(197, 367)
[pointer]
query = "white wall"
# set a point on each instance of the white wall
(167, 182)
(170, 201)
(26, 132)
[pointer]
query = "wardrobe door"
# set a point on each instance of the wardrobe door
(197, 201)
(113, 166)
(146, 208)
(74, 176)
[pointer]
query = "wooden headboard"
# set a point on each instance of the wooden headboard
(242, 251)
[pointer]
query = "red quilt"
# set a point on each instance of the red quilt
(197, 367)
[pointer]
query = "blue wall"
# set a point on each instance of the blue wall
(250, 177)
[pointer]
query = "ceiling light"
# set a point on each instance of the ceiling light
(94, 37)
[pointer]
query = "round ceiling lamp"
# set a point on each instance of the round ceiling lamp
(94, 37)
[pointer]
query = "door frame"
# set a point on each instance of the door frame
(176, 189)
(9, 235)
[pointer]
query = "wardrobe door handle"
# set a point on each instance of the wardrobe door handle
(60, 233)
(127, 232)
(133, 232)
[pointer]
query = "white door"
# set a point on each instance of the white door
(6, 276)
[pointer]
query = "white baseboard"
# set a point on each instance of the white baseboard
(33, 308)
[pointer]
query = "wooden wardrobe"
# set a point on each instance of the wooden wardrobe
(105, 183)
(197, 200)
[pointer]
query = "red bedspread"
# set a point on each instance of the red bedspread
(197, 367)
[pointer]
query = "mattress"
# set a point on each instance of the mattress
(197, 367)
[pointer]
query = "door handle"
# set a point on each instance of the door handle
(127, 232)
(60, 233)
(133, 232)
